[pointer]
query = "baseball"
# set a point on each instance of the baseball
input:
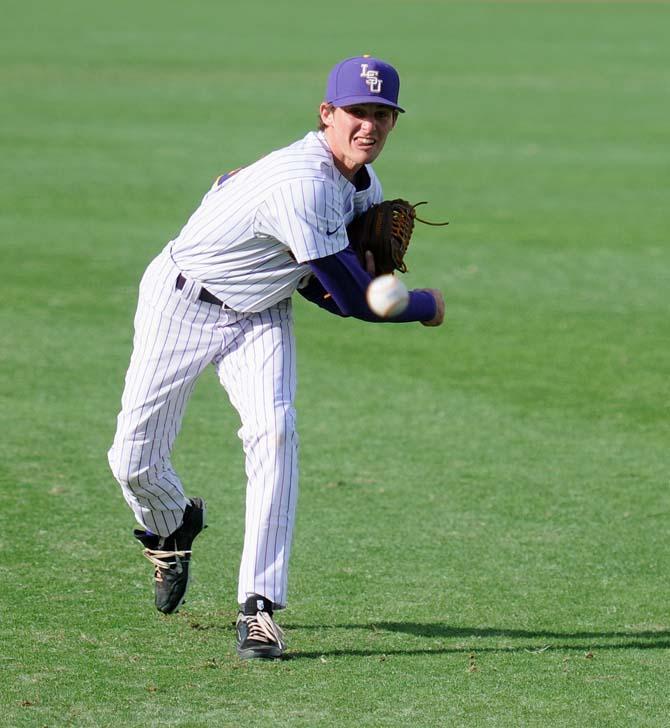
(387, 296)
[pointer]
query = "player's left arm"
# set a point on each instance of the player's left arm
(314, 292)
(340, 277)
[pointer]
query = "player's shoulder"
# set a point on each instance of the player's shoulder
(303, 168)
(308, 157)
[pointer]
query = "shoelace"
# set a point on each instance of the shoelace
(159, 559)
(262, 628)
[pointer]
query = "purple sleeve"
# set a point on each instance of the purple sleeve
(343, 277)
(317, 294)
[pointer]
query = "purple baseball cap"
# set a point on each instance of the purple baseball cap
(363, 80)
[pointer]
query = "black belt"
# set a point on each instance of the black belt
(204, 294)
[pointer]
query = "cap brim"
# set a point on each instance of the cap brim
(351, 100)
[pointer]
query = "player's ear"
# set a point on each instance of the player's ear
(326, 113)
(395, 118)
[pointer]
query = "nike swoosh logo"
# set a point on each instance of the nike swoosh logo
(332, 232)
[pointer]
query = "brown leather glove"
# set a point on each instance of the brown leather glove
(385, 230)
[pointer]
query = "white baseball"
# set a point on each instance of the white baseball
(387, 296)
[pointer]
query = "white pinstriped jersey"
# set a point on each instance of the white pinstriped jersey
(249, 241)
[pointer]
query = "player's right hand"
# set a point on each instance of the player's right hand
(439, 304)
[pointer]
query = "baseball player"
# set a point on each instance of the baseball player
(220, 293)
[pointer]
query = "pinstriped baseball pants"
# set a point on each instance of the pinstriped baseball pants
(176, 337)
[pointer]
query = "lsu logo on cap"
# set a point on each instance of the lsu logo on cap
(371, 79)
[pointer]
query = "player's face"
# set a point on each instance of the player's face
(357, 134)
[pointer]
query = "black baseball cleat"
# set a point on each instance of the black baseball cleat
(171, 556)
(257, 633)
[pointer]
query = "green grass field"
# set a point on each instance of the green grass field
(483, 532)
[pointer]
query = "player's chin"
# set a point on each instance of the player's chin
(367, 154)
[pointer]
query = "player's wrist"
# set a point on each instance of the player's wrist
(438, 301)
(421, 307)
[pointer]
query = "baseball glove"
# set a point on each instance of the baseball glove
(385, 230)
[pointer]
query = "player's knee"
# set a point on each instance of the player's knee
(283, 429)
(125, 468)
(276, 433)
